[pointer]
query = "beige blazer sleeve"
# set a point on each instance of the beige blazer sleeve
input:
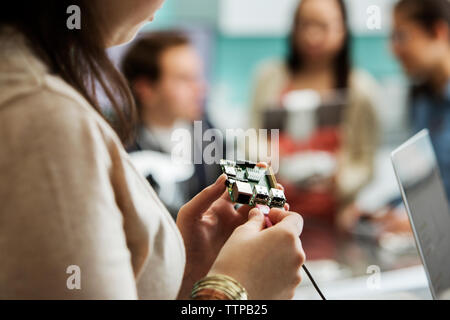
(70, 196)
(48, 223)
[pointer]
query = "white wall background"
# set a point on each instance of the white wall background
(256, 17)
(273, 17)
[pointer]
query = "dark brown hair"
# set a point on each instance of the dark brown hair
(426, 14)
(342, 62)
(143, 59)
(77, 56)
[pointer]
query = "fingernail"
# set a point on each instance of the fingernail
(263, 208)
(253, 212)
(220, 178)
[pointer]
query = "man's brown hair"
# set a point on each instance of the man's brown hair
(143, 59)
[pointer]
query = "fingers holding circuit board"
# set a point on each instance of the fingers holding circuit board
(251, 184)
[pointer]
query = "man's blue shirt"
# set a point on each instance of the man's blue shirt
(433, 113)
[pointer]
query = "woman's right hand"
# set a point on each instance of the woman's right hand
(267, 262)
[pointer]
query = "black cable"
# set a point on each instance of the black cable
(313, 282)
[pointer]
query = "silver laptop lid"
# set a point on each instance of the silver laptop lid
(424, 196)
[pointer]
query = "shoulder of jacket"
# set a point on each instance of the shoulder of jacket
(272, 68)
(63, 110)
(363, 83)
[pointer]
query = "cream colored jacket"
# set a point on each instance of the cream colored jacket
(69, 196)
(359, 128)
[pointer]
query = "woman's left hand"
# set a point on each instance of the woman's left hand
(206, 223)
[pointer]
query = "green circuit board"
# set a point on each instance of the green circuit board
(251, 184)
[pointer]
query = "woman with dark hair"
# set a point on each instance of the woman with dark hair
(319, 59)
(421, 41)
(76, 219)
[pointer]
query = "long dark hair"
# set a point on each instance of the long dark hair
(426, 14)
(342, 62)
(77, 56)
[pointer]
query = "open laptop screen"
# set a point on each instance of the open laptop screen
(427, 205)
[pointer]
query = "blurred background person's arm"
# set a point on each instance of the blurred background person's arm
(360, 137)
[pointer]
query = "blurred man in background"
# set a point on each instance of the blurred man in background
(165, 73)
(421, 42)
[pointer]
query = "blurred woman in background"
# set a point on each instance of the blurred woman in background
(319, 59)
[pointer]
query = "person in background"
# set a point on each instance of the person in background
(319, 59)
(70, 195)
(421, 42)
(165, 74)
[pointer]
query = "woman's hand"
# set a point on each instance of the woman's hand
(206, 223)
(267, 262)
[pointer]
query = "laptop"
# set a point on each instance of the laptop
(425, 200)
